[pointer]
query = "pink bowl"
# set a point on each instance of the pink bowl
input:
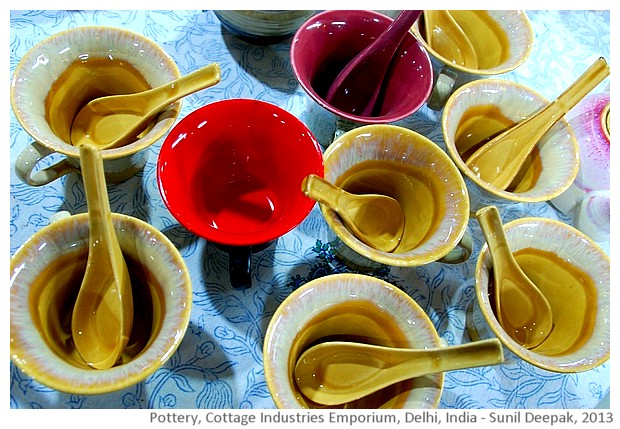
(231, 171)
(325, 43)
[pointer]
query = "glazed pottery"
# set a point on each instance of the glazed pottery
(344, 306)
(576, 282)
(502, 40)
(41, 343)
(231, 172)
(412, 169)
(328, 41)
(40, 68)
(484, 107)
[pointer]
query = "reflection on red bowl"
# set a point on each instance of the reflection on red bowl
(325, 43)
(231, 171)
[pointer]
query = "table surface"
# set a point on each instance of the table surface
(219, 362)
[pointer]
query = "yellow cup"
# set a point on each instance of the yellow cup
(398, 162)
(573, 273)
(46, 274)
(349, 307)
(503, 40)
(46, 96)
(484, 107)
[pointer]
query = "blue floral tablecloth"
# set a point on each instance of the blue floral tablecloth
(219, 363)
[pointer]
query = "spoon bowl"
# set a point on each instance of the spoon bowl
(357, 87)
(103, 312)
(377, 220)
(336, 372)
(521, 308)
(112, 121)
(500, 159)
(448, 39)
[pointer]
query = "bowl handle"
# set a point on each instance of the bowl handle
(240, 267)
(30, 157)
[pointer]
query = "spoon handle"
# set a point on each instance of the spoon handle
(195, 81)
(96, 191)
(398, 27)
(321, 190)
(474, 354)
(583, 85)
(493, 231)
(367, 69)
(543, 120)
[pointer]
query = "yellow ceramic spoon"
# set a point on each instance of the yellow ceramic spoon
(116, 120)
(499, 160)
(334, 373)
(377, 220)
(103, 312)
(448, 39)
(520, 307)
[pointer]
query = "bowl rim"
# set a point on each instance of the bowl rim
(548, 363)
(66, 377)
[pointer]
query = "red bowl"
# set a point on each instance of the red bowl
(231, 171)
(325, 43)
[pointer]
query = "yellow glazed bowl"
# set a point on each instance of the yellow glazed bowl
(351, 307)
(558, 149)
(408, 149)
(41, 341)
(515, 26)
(574, 247)
(45, 62)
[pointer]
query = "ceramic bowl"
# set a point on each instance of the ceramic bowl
(434, 197)
(514, 26)
(575, 343)
(41, 67)
(555, 160)
(231, 172)
(505, 37)
(325, 43)
(241, 162)
(346, 306)
(263, 26)
(46, 275)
